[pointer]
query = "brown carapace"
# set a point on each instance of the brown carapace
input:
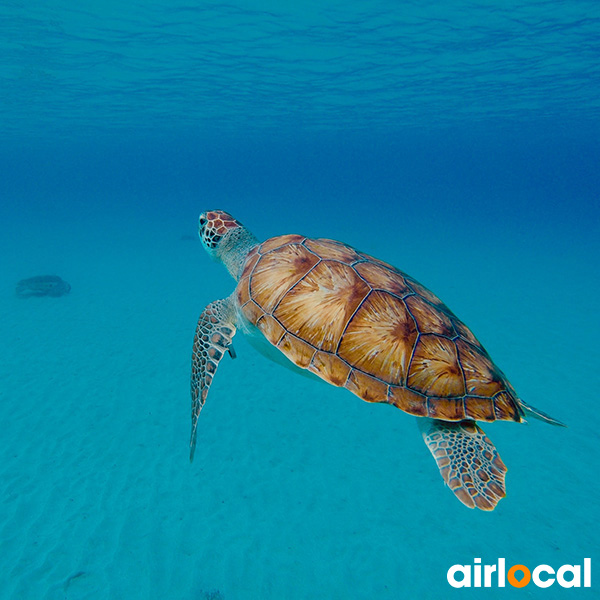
(360, 323)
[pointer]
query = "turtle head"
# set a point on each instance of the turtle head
(213, 226)
(225, 239)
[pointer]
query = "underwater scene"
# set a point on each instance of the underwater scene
(452, 152)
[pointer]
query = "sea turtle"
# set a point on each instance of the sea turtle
(360, 323)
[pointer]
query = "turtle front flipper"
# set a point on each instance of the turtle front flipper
(468, 461)
(214, 332)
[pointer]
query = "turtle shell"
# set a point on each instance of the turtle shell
(360, 323)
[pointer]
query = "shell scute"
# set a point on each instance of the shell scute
(277, 272)
(330, 367)
(366, 387)
(408, 401)
(332, 250)
(480, 409)
(384, 278)
(435, 369)
(380, 337)
(465, 333)
(271, 329)
(505, 407)
(427, 294)
(428, 318)
(252, 311)
(297, 350)
(251, 260)
(243, 290)
(481, 376)
(280, 241)
(449, 409)
(318, 307)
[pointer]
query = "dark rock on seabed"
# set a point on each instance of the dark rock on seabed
(42, 285)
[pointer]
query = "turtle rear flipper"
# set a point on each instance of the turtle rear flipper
(214, 333)
(468, 461)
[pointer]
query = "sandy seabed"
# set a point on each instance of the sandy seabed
(298, 490)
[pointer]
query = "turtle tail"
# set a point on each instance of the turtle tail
(528, 410)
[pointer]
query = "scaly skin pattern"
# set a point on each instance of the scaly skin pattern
(214, 333)
(468, 461)
(214, 225)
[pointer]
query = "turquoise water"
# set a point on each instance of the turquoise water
(457, 140)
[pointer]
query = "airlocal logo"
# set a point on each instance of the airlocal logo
(519, 576)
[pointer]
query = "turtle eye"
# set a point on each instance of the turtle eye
(211, 241)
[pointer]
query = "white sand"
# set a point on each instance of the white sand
(298, 490)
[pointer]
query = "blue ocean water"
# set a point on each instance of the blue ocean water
(458, 141)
